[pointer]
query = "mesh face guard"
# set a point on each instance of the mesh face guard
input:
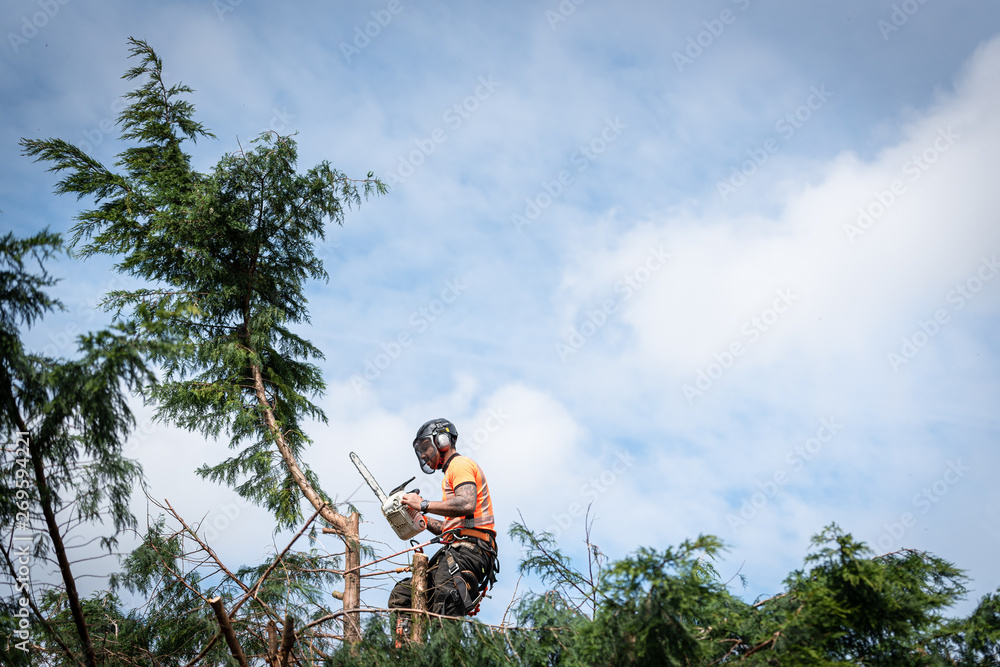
(438, 433)
(418, 447)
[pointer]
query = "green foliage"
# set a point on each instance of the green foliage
(669, 607)
(176, 575)
(224, 257)
(118, 638)
(544, 558)
(849, 607)
(24, 299)
(975, 640)
(449, 644)
(657, 607)
(10, 655)
(75, 414)
(22, 291)
(76, 410)
(174, 622)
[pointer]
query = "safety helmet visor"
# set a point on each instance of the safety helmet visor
(425, 450)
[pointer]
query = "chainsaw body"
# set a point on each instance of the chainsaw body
(405, 521)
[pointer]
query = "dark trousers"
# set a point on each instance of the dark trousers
(475, 561)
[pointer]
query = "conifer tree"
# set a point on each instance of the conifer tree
(67, 421)
(224, 257)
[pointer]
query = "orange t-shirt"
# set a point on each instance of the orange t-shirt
(462, 470)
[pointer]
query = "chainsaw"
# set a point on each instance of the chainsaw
(406, 521)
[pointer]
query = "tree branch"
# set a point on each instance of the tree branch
(227, 631)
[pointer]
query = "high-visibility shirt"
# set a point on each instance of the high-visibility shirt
(461, 470)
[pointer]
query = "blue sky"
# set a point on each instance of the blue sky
(719, 267)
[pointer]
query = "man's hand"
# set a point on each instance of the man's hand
(463, 503)
(412, 500)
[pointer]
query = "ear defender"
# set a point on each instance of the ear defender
(441, 432)
(442, 439)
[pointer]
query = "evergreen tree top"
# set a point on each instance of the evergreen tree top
(224, 258)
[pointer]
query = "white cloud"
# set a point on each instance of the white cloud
(854, 290)
(827, 354)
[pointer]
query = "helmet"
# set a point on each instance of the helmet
(441, 432)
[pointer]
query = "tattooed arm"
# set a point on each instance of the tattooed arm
(436, 526)
(463, 503)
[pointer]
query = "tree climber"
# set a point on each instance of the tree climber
(466, 565)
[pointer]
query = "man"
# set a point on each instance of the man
(467, 563)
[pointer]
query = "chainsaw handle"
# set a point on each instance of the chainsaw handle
(401, 486)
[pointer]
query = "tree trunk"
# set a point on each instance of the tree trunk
(419, 589)
(352, 582)
(45, 500)
(348, 527)
(337, 521)
(272, 643)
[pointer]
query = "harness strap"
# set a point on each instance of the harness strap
(474, 522)
(492, 570)
(460, 583)
(484, 535)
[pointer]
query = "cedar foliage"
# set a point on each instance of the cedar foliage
(669, 607)
(70, 470)
(223, 259)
